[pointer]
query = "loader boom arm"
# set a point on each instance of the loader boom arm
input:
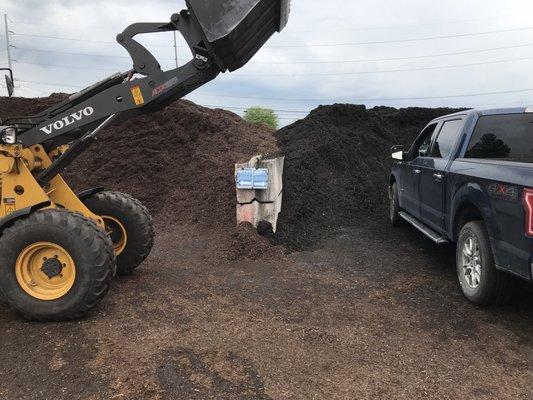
(120, 95)
(221, 35)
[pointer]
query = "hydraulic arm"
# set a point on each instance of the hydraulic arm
(221, 35)
(59, 250)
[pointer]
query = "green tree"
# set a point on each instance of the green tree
(258, 115)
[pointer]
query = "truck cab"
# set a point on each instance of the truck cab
(467, 179)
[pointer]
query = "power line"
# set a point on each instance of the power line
(76, 67)
(82, 40)
(300, 62)
(298, 114)
(246, 108)
(295, 75)
(64, 38)
(41, 92)
(66, 66)
(457, 53)
(355, 100)
(407, 40)
(53, 84)
(32, 23)
(406, 25)
(352, 100)
(419, 39)
(62, 25)
(81, 54)
(500, 103)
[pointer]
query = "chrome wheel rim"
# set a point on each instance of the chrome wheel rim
(471, 262)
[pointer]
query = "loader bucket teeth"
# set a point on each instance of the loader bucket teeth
(237, 29)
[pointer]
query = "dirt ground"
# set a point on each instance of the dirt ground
(365, 313)
(371, 313)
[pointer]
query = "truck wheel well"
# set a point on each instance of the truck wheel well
(467, 212)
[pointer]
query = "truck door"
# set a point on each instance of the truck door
(433, 174)
(410, 171)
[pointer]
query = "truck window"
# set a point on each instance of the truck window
(424, 142)
(503, 137)
(446, 139)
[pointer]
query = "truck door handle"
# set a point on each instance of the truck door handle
(416, 171)
(438, 177)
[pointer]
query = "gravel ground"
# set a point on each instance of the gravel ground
(372, 313)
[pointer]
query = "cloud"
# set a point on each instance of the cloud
(45, 65)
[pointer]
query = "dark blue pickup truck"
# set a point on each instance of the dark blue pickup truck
(468, 180)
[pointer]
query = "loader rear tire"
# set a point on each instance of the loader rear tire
(55, 265)
(129, 225)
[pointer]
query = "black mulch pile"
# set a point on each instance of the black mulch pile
(337, 166)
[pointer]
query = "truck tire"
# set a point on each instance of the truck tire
(480, 281)
(55, 265)
(394, 210)
(129, 225)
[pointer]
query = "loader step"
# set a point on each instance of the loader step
(426, 230)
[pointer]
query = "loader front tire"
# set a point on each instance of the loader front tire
(129, 225)
(55, 265)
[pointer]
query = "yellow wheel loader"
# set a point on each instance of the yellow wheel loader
(59, 250)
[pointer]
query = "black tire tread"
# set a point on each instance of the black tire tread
(98, 244)
(499, 290)
(138, 211)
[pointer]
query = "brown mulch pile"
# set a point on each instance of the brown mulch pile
(178, 161)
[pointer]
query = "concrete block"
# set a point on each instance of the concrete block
(256, 212)
(275, 187)
(255, 206)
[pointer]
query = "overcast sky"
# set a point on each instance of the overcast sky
(494, 40)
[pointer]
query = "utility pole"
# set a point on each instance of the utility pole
(8, 46)
(175, 49)
(10, 82)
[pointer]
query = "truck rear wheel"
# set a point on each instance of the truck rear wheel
(128, 224)
(480, 281)
(55, 265)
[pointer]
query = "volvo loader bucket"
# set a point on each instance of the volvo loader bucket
(236, 29)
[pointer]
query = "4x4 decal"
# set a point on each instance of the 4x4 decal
(502, 191)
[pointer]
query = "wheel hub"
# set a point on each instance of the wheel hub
(52, 267)
(471, 262)
(45, 271)
(116, 232)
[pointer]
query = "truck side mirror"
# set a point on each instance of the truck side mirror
(397, 152)
(10, 86)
